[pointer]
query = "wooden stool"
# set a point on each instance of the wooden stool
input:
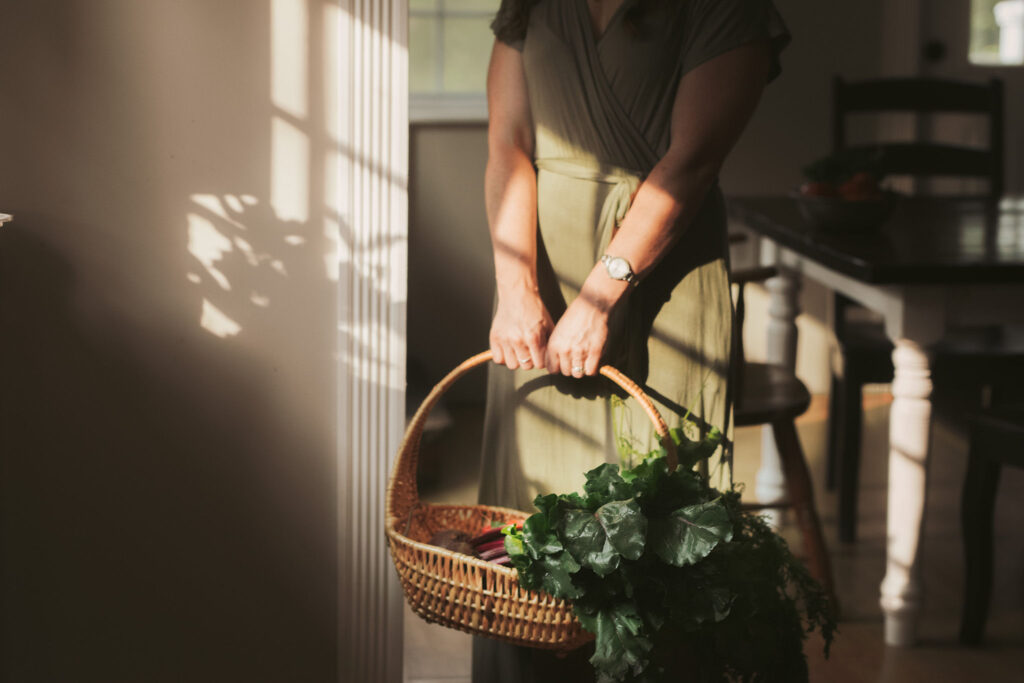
(997, 438)
(768, 394)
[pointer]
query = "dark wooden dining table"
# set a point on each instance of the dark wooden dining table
(931, 265)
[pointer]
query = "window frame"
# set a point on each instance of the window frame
(981, 59)
(440, 106)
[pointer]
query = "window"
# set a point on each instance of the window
(449, 46)
(997, 32)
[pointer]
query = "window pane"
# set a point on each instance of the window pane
(467, 47)
(423, 54)
(471, 5)
(997, 32)
(423, 5)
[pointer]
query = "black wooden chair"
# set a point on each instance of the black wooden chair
(865, 349)
(997, 438)
(767, 394)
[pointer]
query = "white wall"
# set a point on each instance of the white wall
(168, 315)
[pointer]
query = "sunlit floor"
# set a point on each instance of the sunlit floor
(434, 654)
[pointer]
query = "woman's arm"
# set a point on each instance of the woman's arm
(521, 323)
(712, 106)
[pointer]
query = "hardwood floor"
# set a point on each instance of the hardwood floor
(434, 654)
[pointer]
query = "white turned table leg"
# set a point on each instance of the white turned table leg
(770, 486)
(909, 431)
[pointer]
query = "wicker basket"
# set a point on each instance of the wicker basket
(461, 591)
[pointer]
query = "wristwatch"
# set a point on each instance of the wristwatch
(619, 269)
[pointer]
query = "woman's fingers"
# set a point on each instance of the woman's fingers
(536, 353)
(519, 332)
(497, 354)
(511, 359)
(565, 363)
(524, 356)
(571, 362)
(551, 360)
(515, 355)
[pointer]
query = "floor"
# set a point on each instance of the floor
(434, 654)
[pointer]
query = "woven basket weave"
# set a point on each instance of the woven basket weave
(461, 591)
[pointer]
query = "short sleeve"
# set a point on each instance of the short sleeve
(509, 25)
(718, 26)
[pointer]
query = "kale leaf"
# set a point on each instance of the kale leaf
(671, 576)
(689, 534)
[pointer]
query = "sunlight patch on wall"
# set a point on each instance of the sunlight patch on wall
(289, 21)
(334, 255)
(228, 209)
(289, 182)
(208, 245)
(333, 168)
(338, 251)
(332, 63)
(214, 321)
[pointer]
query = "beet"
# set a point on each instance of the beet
(454, 540)
(491, 554)
(493, 533)
(490, 545)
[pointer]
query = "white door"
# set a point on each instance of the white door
(946, 52)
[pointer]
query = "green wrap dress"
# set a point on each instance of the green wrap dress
(601, 109)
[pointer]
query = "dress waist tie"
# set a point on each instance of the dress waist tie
(625, 184)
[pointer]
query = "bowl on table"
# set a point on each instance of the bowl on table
(845, 215)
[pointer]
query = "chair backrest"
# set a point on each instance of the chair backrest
(925, 159)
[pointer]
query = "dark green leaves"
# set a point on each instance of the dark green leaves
(670, 576)
(620, 646)
(586, 539)
(539, 537)
(539, 557)
(604, 485)
(689, 534)
(692, 452)
(625, 527)
(600, 539)
(557, 576)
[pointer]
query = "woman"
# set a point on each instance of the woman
(609, 122)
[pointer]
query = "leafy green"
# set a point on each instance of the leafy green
(625, 527)
(671, 576)
(604, 484)
(689, 534)
(587, 542)
(621, 647)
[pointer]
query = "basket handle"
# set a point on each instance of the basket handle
(403, 494)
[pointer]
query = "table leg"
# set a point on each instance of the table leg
(909, 432)
(781, 348)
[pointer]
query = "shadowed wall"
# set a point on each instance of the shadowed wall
(168, 316)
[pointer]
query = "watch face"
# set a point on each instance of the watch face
(618, 268)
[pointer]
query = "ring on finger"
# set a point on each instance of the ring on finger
(577, 369)
(524, 361)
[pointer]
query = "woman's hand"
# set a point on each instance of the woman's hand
(520, 330)
(577, 343)
(581, 335)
